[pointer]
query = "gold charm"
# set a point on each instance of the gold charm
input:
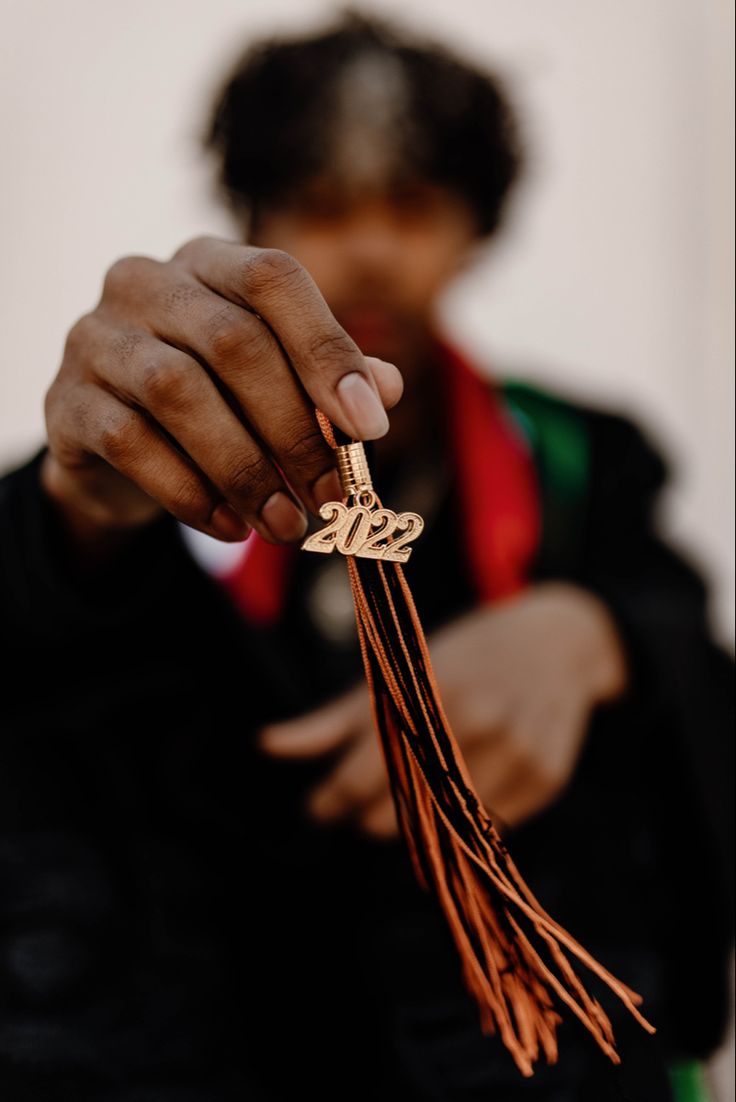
(362, 528)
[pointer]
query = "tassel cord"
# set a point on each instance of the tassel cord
(530, 906)
(453, 844)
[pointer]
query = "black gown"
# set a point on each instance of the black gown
(173, 928)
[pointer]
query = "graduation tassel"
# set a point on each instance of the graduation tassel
(515, 958)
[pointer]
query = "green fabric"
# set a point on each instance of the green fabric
(558, 437)
(688, 1082)
(560, 444)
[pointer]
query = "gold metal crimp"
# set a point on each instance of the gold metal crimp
(352, 467)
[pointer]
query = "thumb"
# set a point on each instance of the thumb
(317, 732)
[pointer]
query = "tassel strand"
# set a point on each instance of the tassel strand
(499, 927)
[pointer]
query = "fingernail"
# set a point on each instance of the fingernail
(327, 488)
(362, 407)
(228, 525)
(283, 518)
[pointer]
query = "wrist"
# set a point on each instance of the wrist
(89, 528)
(598, 653)
(603, 651)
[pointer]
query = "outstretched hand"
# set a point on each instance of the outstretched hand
(518, 680)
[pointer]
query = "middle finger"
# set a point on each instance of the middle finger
(359, 779)
(180, 396)
(245, 358)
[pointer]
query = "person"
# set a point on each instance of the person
(204, 892)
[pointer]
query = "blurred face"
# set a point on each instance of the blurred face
(380, 259)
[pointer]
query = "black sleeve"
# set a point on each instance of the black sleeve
(143, 612)
(661, 604)
(47, 598)
(680, 703)
(114, 801)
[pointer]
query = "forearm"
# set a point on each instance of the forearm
(89, 539)
(57, 578)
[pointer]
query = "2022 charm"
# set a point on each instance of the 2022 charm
(363, 528)
(367, 532)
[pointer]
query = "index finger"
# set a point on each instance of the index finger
(322, 730)
(327, 360)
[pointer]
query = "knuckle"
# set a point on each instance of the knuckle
(79, 418)
(247, 479)
(227, 337)
(55, 395)
(126, 272)
(68, 417)
(127, 344)
(119, 438)
(51, 404)
(191, 504)
(191, 248)
(304, 449)
(179, 294)
(257, 348)
(80, 338)
(269, 269)
(332, 348)
(163, 382)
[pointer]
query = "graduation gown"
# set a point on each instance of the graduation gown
(173, 927)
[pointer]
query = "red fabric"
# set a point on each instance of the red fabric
(496, 481)
(257, 583)
(497, 488)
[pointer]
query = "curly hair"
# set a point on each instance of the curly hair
(362, 97)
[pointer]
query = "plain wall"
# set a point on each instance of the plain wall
(614, 280)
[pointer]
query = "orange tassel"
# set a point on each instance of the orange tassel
(499, 927)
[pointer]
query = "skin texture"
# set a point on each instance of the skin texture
(174, 393)
(191, 385)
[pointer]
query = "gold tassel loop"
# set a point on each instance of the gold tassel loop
(363, 528)
(352, 467)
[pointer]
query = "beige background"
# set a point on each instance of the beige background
(614, 281)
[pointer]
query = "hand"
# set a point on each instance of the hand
(518, 681)
(191, 388)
